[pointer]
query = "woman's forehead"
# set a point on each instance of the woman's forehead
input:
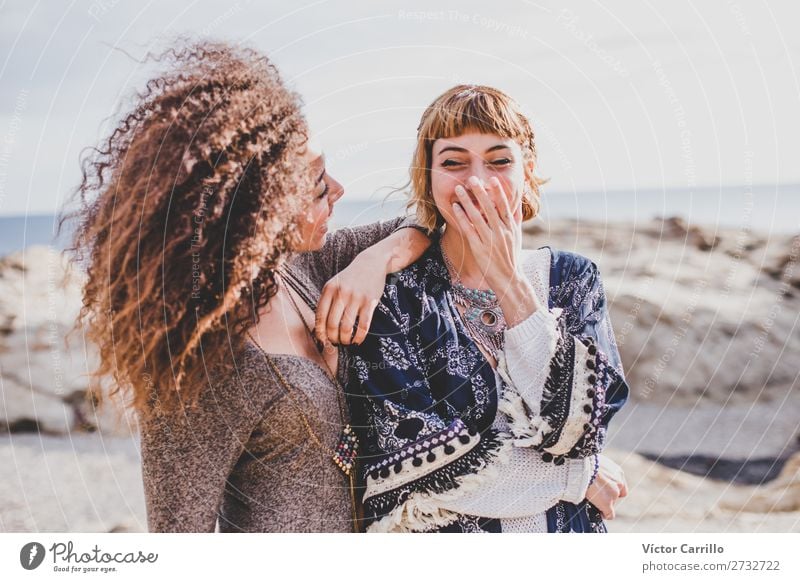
(313, 146)
(313, 153)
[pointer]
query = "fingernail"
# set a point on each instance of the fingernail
(461, 191)
(474, 181)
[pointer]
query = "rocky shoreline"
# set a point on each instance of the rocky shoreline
(699, 314)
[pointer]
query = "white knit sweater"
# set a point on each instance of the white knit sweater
(525, 487)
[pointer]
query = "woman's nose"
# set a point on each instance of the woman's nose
(481, 172)
(336, 190)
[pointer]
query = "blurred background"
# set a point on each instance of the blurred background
(670, 134)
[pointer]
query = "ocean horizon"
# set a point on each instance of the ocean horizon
(765, 208)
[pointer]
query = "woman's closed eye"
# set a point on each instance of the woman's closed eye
(502, 162)
(452, 163)
(499, 163)
(321, 181)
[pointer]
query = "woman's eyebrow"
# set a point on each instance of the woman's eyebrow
(454, 149)
(464, 150)
(497, 147)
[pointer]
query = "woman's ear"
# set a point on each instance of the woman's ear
(529, 208)
(527, 211)
(529, 168)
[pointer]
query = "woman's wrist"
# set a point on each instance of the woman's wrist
(517, 299)
(596, 469)
(397, 251)
(377, 256)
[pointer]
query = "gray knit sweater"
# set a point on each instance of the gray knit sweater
(243, 458)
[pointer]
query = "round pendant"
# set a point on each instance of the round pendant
(488, 318)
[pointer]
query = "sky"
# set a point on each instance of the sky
(622, 95)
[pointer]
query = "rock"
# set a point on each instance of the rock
(661, 499)
(647, 479)
(780, 495)
(677, 227)
(45, 376)
(25, 410)
(786, 266)
(711, 324)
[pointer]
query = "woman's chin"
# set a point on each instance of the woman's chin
(452, 224)
(313, 243)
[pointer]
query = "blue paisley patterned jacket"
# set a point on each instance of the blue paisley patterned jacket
(423, 398)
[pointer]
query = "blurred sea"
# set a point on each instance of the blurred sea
(764, 208)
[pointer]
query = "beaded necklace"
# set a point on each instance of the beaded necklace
(482, 314)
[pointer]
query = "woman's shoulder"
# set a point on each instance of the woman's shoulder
(428, 271)
(567, 264)
(563, 276)
(570, 269)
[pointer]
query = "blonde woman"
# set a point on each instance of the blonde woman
(484, 390)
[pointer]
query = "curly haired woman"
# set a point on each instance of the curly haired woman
(203, 234)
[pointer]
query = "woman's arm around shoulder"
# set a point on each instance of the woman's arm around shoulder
(349, 298)
(343, 245)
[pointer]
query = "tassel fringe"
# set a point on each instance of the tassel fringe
(422, 510)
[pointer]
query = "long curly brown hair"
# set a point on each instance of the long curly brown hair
(185, 212)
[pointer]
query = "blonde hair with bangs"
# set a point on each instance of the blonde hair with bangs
(460, 110)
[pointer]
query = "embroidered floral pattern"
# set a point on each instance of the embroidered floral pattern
(394, 354)
(361, 368)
